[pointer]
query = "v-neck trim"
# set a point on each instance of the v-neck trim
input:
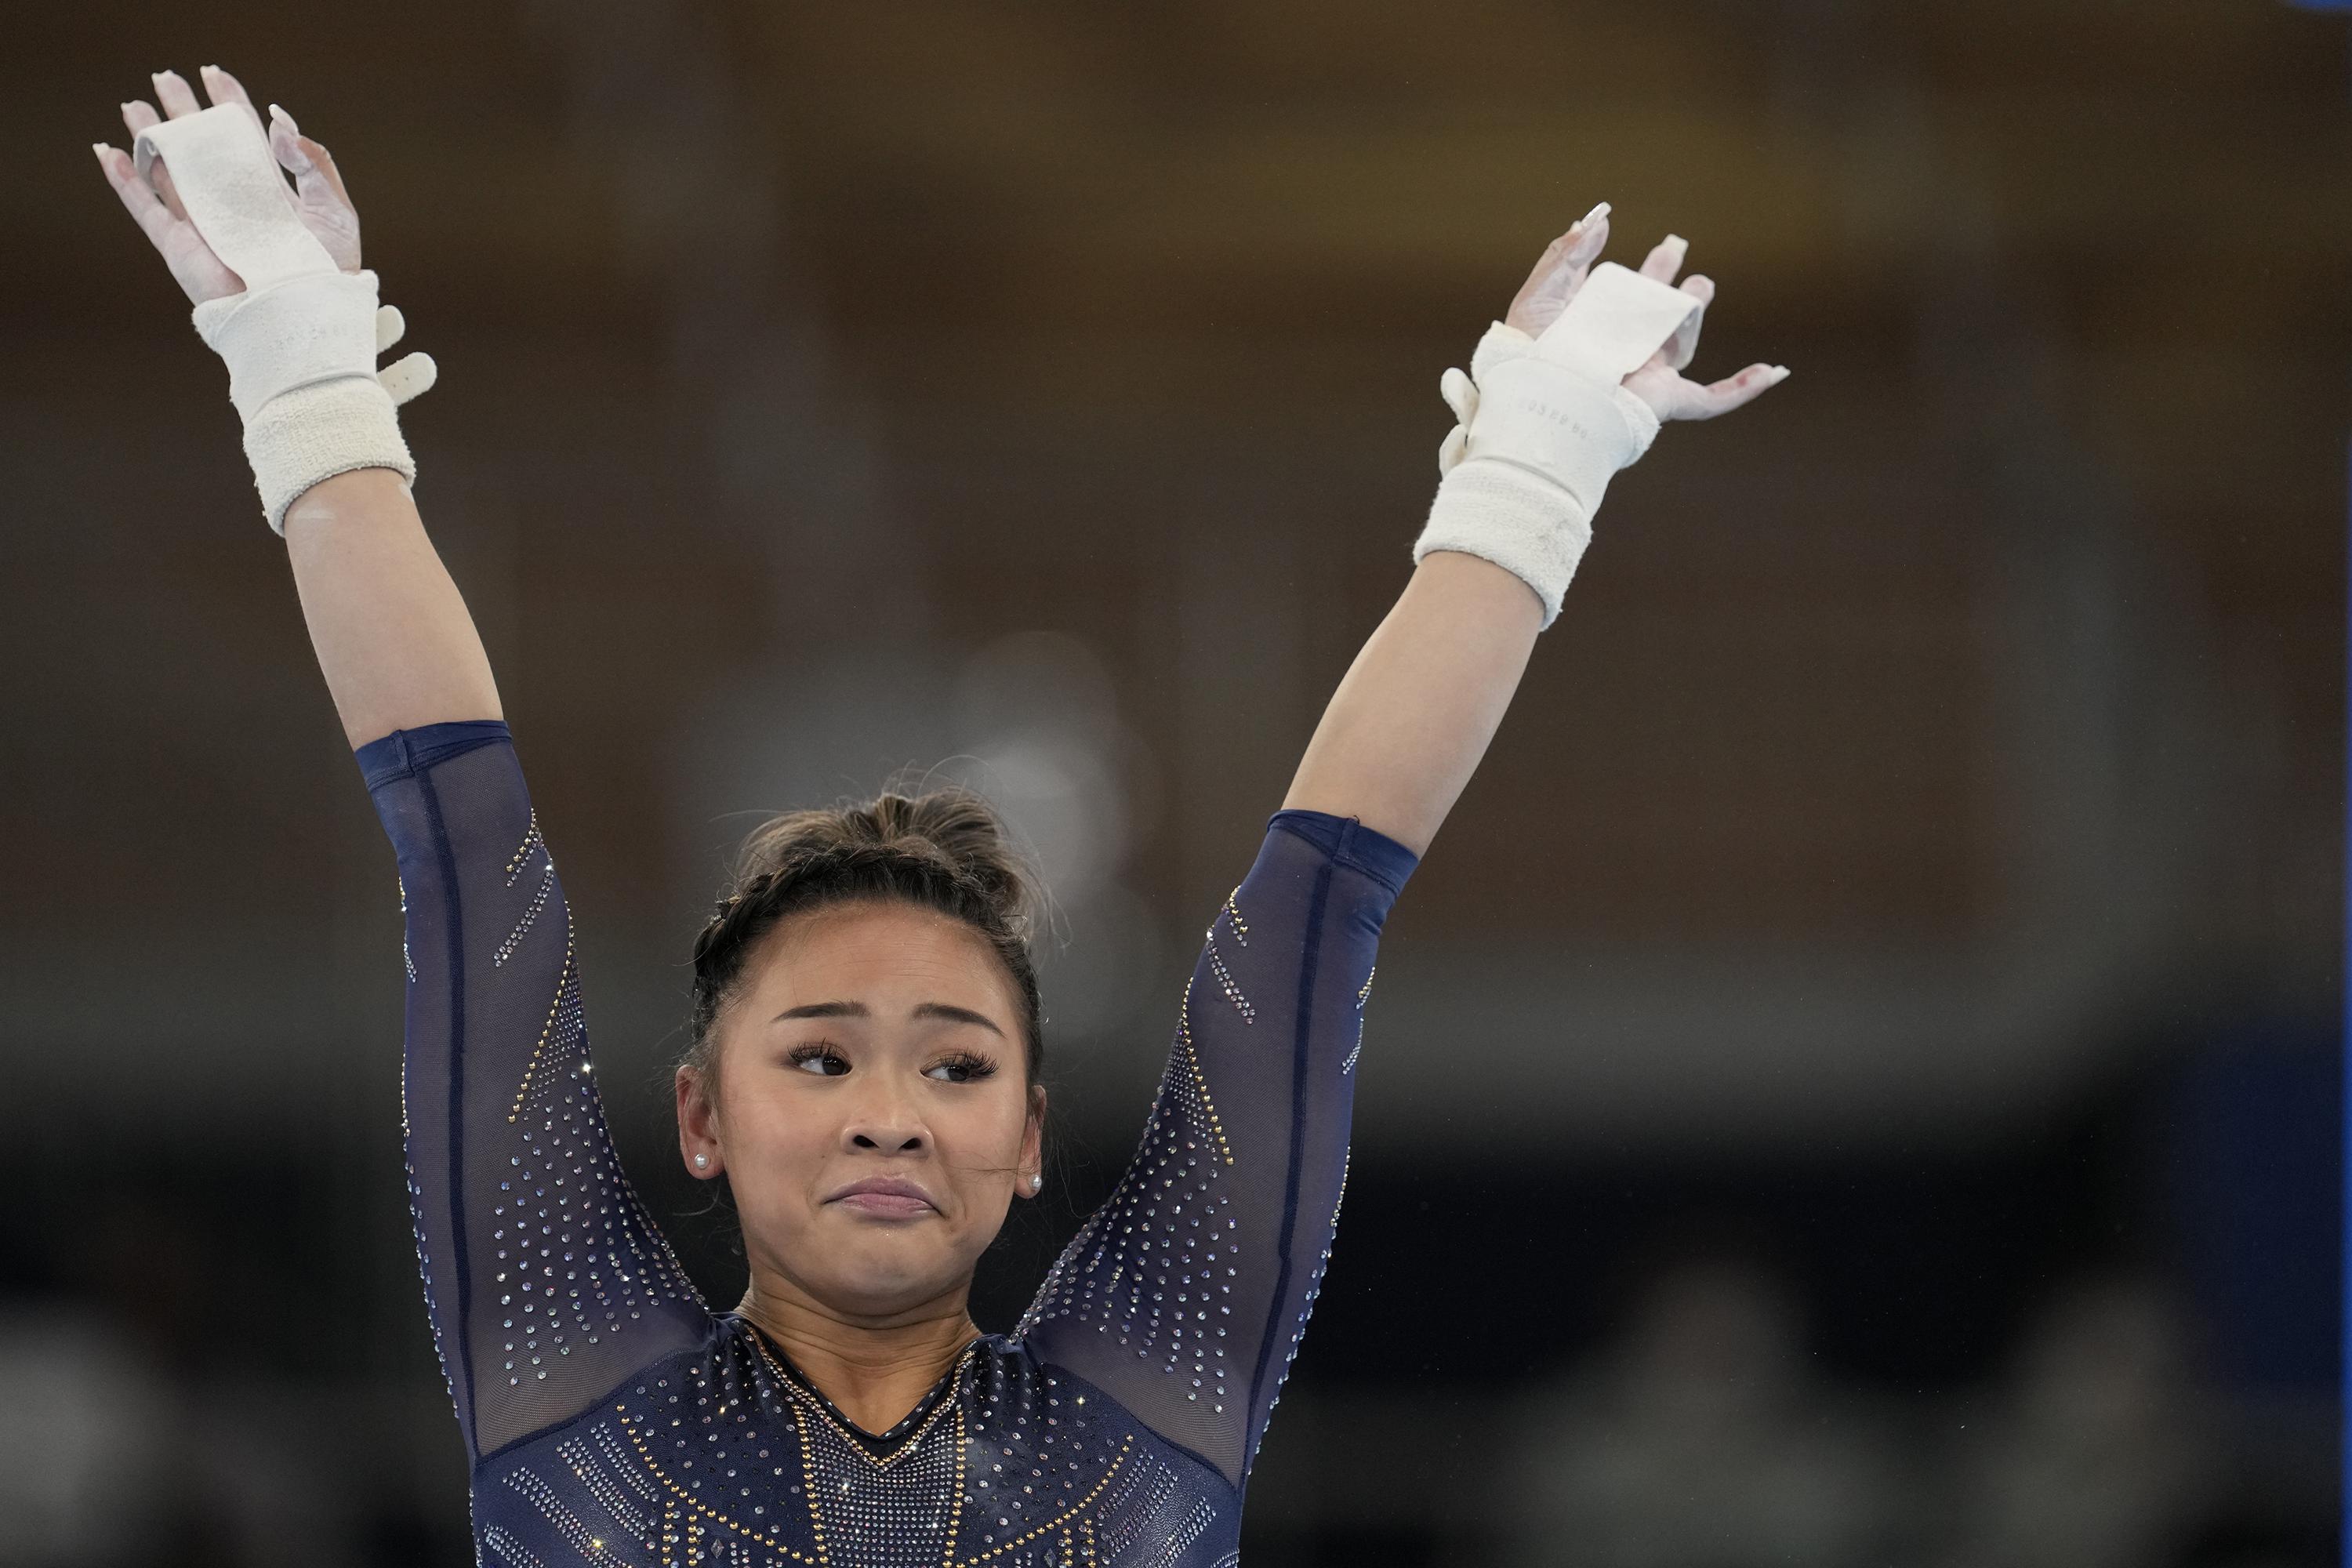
(880, 1445)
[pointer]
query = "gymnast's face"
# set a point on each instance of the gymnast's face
(868, 1043)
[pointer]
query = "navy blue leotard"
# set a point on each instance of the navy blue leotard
(610, 1417)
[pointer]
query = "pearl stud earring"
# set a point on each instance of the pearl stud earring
(1036, 1182)
(702, 1162)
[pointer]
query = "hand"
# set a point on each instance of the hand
(318, 198)
(1560, 272)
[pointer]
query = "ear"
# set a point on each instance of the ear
(1033, 1138)
(697, 1125)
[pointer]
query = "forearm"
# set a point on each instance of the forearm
(392, 635)
(1416, 712)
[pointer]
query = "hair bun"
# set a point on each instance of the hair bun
(959, 825)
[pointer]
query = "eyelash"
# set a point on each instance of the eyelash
(974, 1067)
(801, 1056)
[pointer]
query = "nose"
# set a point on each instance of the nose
(885, 1121)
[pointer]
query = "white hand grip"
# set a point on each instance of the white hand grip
(301, 340)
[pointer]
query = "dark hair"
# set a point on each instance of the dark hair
(946, 849)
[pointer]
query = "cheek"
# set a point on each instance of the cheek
(985, 1129)
(778, 1131)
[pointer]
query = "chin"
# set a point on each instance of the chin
(880, 1291)
(886, 1267)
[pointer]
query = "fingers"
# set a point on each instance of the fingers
(307, 160)
(1559, 272)
(171, 90)
(160, 177)
(1577, 247)
(286, 142)
(319, 196)
(1591, 239)
(1583, 242)
(147, 209)
(1588, 234)
(1666, 258)
(137, 116)
(222, 88)
(1730, 393)
(175, 94)
(1683, 344)
(1548, 267)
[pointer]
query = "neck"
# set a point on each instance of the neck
(874, 1370)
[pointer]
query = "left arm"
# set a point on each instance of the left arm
(1416, 712)
(1184, 1295)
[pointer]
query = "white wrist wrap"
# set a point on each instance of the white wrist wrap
(301, 341)
(1545, 422)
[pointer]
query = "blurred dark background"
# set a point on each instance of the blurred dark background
(1856, 1081)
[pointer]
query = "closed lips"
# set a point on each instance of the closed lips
(886, 1194)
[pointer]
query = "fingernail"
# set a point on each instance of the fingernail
(1601, 209)
(1678, 239)
(99, 149)
(1779, 373)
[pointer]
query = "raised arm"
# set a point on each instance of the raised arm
(546, 1282)
(1416, 712)
(392, 636)
(1404, 731)
(1185, 1294)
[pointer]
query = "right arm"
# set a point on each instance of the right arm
(546, 1282)
(391, 633)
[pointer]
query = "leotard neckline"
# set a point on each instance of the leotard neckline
(879, 1443)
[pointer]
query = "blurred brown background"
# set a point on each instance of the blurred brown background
(1855, 1080)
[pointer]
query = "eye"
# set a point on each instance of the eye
(819, 1058)
(962, 1068)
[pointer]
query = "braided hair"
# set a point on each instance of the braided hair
(946, 849)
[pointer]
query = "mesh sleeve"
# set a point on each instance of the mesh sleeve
(1184, 1295)
(546, 1281)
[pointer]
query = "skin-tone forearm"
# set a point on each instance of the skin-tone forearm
(393, 638)
(1415, 713)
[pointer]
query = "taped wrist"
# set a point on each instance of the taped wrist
(301, 437)
(1544, 424)
(301, 342)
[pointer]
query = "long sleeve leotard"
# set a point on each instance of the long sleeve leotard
(610, 1417)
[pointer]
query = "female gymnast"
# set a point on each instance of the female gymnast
(864, 1064)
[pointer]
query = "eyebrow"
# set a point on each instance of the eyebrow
(860, 1010)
